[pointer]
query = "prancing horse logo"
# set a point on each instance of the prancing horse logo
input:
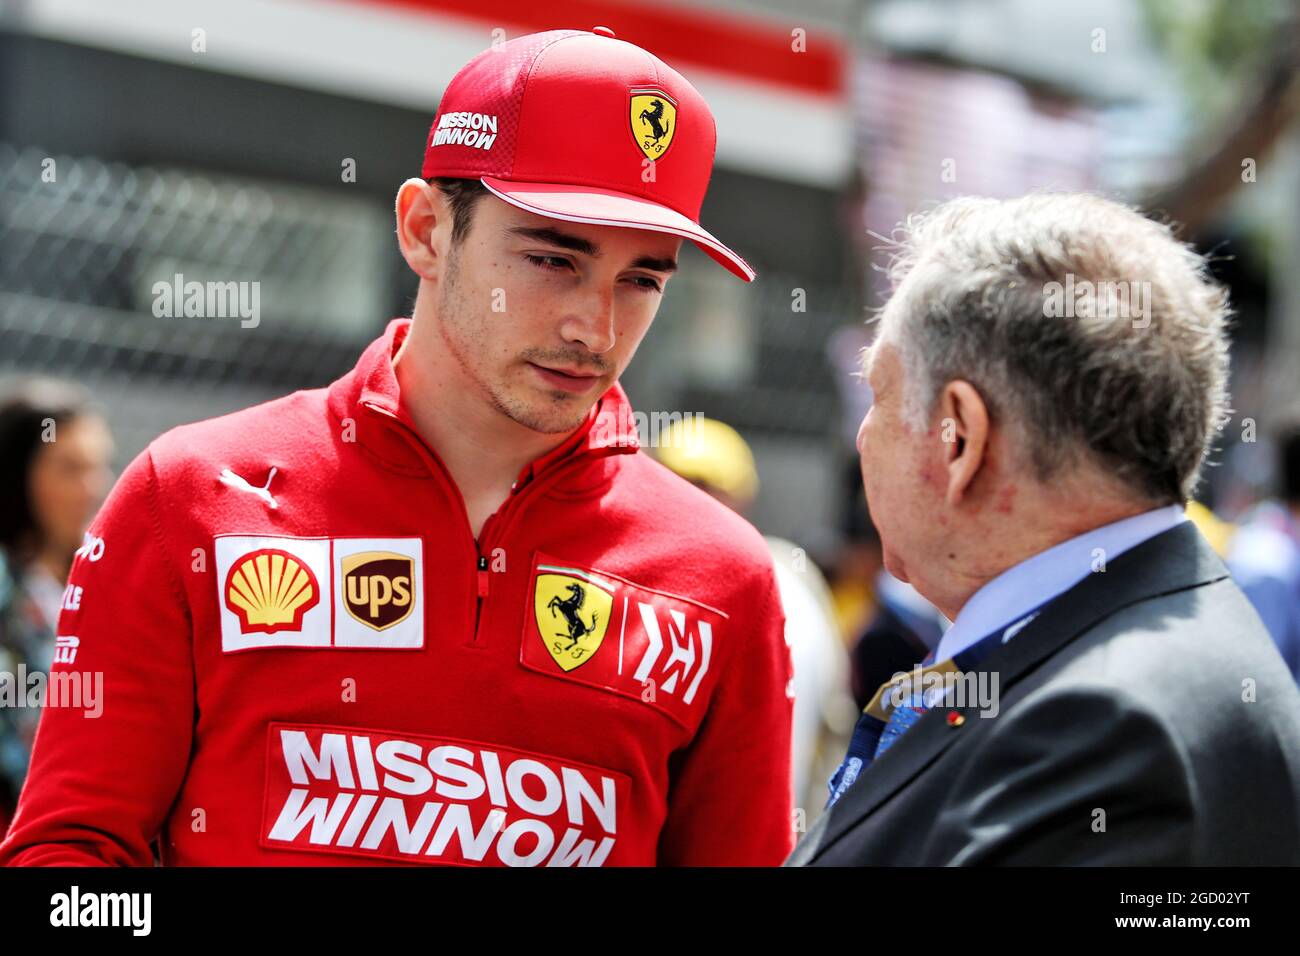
(654, 121)
(569, 608)
(572, 609)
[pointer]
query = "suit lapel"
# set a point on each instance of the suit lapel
(1171, 561)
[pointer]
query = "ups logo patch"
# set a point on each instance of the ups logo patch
(378, 588)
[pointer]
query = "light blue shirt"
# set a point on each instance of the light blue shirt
(1007, 600)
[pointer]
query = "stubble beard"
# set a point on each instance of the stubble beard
(464, 336)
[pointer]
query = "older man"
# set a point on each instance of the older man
(1048, 377)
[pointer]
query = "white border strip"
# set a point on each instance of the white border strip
(576, 573)
(407, 59)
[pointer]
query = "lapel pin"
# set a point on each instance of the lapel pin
(955, 719)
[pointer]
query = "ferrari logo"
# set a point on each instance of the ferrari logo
(572, 609)
(654, 121)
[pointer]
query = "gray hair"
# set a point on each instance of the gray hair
(1032, 301)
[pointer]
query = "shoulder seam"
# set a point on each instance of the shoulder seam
(155, 515)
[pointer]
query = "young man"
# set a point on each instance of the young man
(443, 611)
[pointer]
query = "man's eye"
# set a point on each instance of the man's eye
(647, 283)
(549, 262)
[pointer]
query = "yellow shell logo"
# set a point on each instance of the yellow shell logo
(654, 121)
(270, 590)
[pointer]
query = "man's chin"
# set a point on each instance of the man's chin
(556, 416)
(895, 566)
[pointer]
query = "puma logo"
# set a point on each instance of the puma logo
(240, 483)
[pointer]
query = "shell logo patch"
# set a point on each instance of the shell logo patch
(572, 609)
(377, 588)
(270, 590)
(281, 591)
(654, 121)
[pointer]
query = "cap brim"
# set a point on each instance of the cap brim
(605, 207)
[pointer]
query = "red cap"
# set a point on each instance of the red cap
(586, 128)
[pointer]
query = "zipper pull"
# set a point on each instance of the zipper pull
(482, 576)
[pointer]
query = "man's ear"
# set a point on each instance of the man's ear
(964, 430)
(421, 209)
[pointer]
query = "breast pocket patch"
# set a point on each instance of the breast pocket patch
(600, 629)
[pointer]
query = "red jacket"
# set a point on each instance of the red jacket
(322, 665)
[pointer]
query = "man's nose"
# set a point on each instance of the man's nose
(591, 322)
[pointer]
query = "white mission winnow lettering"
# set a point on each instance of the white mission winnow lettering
(370, 794)
(466, 129)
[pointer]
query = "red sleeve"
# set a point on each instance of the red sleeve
(101, 784)
(731, 798)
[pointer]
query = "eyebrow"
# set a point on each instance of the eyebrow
(565, 240)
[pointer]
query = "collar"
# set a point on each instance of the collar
(369, 401)
(1013, 594)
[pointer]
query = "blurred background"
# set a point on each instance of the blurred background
(265, 140)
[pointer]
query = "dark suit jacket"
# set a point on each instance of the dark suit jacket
(1149, 691)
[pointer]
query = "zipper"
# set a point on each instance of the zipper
(483, 588)
(499, 522)
(482, 571)
(483, 543)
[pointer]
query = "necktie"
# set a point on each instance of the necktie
(900, 722)
(886, 719)
(873, 735)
